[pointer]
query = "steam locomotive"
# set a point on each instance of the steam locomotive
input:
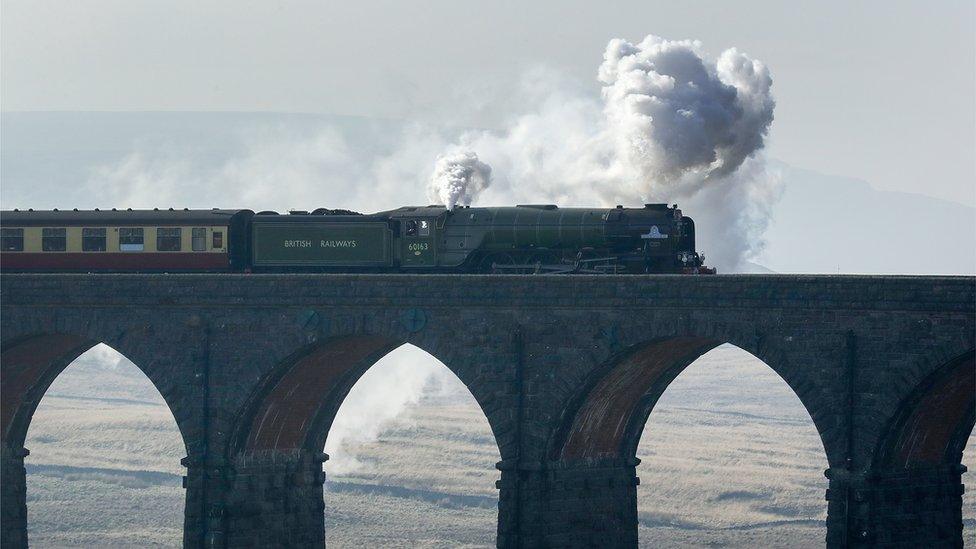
(431, 239)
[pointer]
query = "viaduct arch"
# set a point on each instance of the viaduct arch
(566, 369)
(601, 426)
(729, 423)
(284, 427)
(31, 362)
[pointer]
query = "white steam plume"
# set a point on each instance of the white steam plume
(673, 126)
(458, 178)
(380, 396)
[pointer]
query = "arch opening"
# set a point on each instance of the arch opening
(410, 452)
(730, 456)
(104, 463)
(693, 384)
(412, 458)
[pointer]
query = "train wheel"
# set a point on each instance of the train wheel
(592, 261)
(503, 264)
(544, 262)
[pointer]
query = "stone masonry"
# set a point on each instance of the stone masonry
(566, 369)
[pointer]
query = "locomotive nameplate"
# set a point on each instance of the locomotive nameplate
(324, 244)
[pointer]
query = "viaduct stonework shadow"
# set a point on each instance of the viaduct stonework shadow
(969, 495)
(565, 369)
(922, 447)
(30, 366)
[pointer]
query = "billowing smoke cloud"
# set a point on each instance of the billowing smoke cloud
(458, 178)
(672, 126)
(680, 117)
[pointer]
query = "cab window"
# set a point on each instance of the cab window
(199, 240)
(168, 239)
(417, 227)
(54, 239)
(92, 240)
(12, 240)
(131, 239)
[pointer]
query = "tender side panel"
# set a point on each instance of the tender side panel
(325, 244)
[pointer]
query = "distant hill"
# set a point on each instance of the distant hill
(822, 224)
(748, 267)
(827, 224)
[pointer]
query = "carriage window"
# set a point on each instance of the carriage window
(93, 240)
(218, 240)
(12, 240)
(168, 239)
(54, 240)
(130, 240)
(199, 240)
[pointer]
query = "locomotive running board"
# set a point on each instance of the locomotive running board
(539, 268)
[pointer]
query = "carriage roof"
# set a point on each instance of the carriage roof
(117, 217)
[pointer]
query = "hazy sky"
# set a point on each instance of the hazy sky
(883, 91)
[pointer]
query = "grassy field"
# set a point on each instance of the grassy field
(729, 458)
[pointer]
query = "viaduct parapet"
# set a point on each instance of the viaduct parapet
(566, 369)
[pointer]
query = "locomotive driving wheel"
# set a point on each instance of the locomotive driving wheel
(544, 261)
(593, 261)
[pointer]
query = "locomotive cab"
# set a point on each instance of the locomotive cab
(418, 230)
(419, 244)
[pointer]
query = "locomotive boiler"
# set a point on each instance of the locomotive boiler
(525, 239)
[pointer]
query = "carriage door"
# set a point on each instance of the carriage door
(418, 243)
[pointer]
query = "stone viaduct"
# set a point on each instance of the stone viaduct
(566, 370)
